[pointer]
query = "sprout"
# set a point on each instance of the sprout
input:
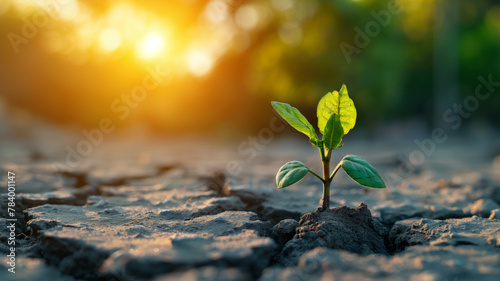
(336, 117)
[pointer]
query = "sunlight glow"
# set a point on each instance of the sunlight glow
(68, 9)
(151, 46)
(125, 28)
(199, 62)
(110, 39)
(282, 5)
(247, 17)
(216, 11)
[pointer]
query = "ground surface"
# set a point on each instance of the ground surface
(153, 210)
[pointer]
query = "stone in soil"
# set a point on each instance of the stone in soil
(495, 214)
(482, 207)
(284, 231)
(342, 227)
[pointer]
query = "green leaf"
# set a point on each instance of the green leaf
(293, 116)
(291, 173)
(361, 171)
(333, 132)
(316, 142)
(340, 104)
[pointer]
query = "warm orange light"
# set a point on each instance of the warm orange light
(127, 28)
(68, 9)
(247, 17)
(199, 62)
(110, 39)
(151, 46)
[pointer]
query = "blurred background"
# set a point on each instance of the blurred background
(184, 66)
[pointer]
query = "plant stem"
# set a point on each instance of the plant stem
(327, 180)
(322, 152)
(316, 175)
(336, 169)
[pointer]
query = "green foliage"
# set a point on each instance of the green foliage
(333, 132)
(361, 171)
(340, 104)
(336, 117)
(293, 116)
(291, 173)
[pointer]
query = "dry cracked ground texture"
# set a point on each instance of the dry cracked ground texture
(151, 210)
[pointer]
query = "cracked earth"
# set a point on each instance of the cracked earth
(168, 210)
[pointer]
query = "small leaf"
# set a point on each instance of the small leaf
(291, 173)
(316, 142)
(333, 132)
(340, 104)
(361, 171)
(293, 116)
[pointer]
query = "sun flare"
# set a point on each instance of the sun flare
(110, 39)
(151, 46)
(199, 62)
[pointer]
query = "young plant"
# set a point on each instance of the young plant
(336, 116)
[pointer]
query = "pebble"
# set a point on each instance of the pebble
(248, 224)
(220, 219)
(50, 207)
(109, 211)
(102, 204)
(495, 214)
(165, 212)
(141, 200)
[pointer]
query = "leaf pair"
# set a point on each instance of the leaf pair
(355, 167)
(336, 117)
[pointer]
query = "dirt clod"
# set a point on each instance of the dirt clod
(342, 227)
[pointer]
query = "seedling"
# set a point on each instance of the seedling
(336, 117)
